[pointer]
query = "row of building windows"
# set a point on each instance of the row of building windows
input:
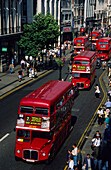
(9, 14)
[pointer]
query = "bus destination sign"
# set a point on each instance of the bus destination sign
(31, 120)
(81, 68)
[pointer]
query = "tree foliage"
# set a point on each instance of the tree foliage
(43, 31)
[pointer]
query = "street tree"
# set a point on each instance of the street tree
(43, 31)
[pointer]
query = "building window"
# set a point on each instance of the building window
(24, 7)
(66, 16)
(34, 7)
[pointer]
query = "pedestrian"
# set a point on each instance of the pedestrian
(11, 68)
(27, 67)
(100, 116)
(20, 75)
(108, 104)
(109, 94)
(68, 155)
(22, 64)
(97, 91)
(96, 134)
(12, 61)
(74, 153)
(70, 67)
(88, 163)
(71, 163)
(96, 146)
(79, 160)
(107, 121)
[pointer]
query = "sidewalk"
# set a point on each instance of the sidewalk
(10, 81)
(105, 155)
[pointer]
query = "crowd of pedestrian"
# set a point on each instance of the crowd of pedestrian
(94, 161)
(45, 59)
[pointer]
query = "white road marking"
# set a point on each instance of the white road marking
(4, 137)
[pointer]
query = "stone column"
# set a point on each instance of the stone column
(55, 8)
(7, 16)
(50, 6)
(39, 6)
(45, 7)
(19, 16)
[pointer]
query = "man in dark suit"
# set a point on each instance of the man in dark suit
(88, 163)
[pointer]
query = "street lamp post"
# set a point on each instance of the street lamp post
(60, 67)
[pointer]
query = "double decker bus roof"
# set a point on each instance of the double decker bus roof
(84, 37)
(47, 93)
(97, 32)
(85, 55)
(106, 39)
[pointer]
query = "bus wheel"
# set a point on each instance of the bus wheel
(17, 158)
(89, 87)
(51, 157)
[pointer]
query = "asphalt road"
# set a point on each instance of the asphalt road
(84, 107)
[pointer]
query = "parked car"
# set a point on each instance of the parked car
(99, 63)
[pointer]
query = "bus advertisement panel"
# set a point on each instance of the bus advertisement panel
(84, 68)
(81, 44)
(104, 48)
(95, 36)
(44, 121)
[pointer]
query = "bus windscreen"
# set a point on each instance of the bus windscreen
(41, 111)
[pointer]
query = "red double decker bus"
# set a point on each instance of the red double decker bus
(81, 43)
(44, 121)
(84, 68)
(95, 36)
(104, 48)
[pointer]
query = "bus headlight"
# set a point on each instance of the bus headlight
(43, 154)
(18, 151)
(86, 84)
(45, 122)
(20, 140)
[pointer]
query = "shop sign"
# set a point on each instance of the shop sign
(67, 29)
(4, 49)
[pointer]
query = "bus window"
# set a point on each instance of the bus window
(85, 62)
(23, 133)
(43, 135)
(84, 75)
(52, 109)
(66, 96)
(99, 51)
(77, 62)
(70, 92)
(105, 51)
(78, 49)
(41, 111)
(106, 43)
(76, 75)
(26, 109)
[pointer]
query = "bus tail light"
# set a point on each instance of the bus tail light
(45, 122)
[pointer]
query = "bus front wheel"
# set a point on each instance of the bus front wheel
(17, 158)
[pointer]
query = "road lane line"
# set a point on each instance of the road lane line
(30, 81)
(93, 115)
(4, 137)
